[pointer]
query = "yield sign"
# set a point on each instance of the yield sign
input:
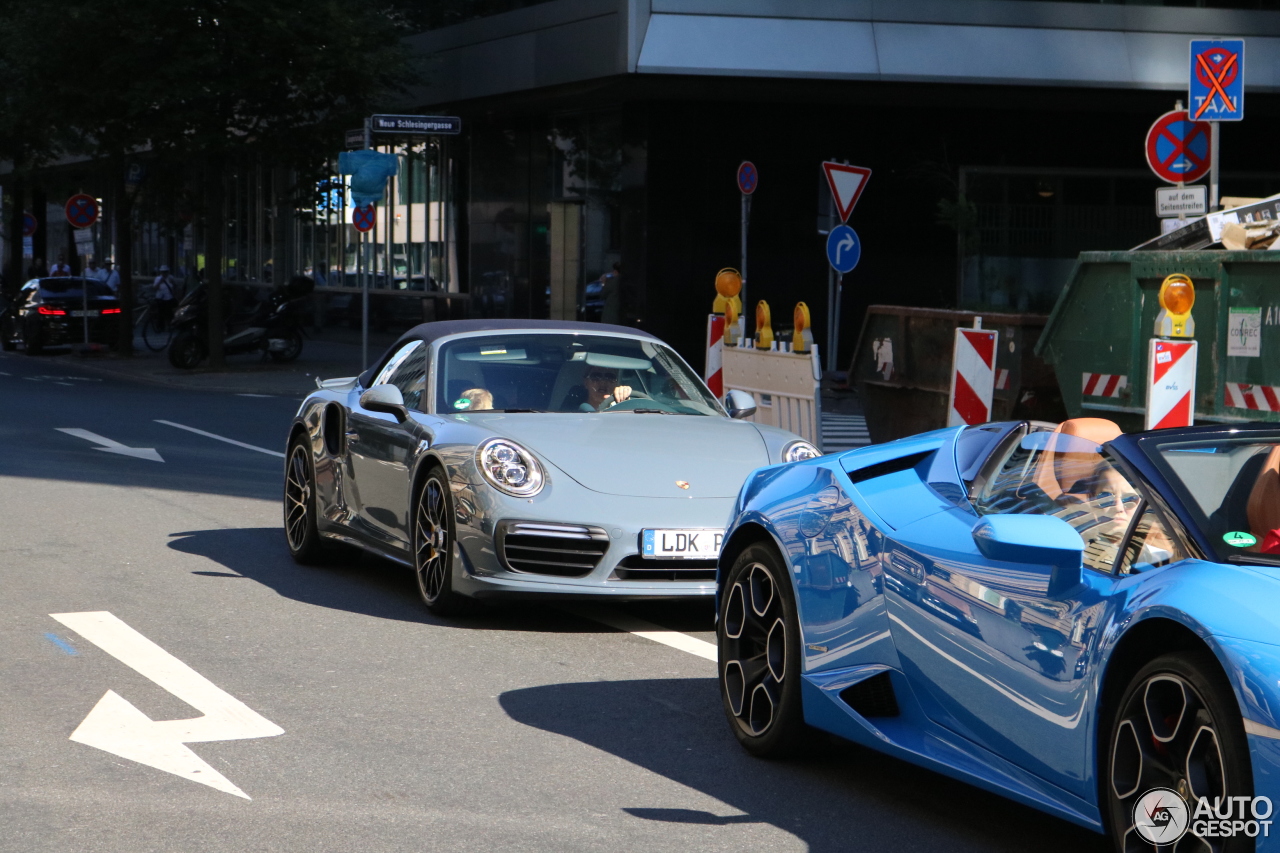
(847, 183)
(1178, 149)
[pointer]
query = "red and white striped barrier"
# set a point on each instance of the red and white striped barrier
(1256, 398)
(1002, 379)
(715, 354)
(1171, 383)
(973, 376)
(1104, 384)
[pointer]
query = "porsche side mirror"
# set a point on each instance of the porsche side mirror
(1043, 545)
(386, 399)
(739, 404)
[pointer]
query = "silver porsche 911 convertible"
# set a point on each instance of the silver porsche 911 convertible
(507, 458)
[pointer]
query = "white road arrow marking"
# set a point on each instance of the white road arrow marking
(110, 446)
(116, 726)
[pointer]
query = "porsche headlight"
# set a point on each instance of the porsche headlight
(510, 468)
(798, 451)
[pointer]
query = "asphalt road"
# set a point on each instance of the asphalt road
(525, 728)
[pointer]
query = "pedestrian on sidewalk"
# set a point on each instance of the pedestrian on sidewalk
(164, 297)
(60, 268)
(113, 277)
(95, 272)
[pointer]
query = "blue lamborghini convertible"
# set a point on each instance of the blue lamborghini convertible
(1083, 621)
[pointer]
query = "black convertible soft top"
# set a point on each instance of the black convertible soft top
(428, 332)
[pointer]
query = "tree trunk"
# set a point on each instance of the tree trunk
(14, 274)
(216, 230)
(122, 234)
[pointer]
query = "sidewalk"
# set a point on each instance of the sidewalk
(334, 353)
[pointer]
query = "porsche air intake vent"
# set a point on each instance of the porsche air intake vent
(637, 568)
(544, 548)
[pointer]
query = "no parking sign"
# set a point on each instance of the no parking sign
(363, 218)
(81, 210)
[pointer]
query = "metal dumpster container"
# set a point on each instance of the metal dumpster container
(902, 368)
(1097, 336)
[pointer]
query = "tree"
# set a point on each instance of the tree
(200, 81)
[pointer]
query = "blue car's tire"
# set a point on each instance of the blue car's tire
(758, 635)
(433, 543)
(1177, 727)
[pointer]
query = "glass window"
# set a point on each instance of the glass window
(1073, 479)
(1230, 486)
(1150, 546)
(567, 373)
(407, 371)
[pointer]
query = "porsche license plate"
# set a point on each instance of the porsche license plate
(89, 313)
(695, 544)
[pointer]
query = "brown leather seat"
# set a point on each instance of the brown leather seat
(1062, 465)
(1264, 500)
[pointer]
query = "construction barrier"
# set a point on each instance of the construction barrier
(1171, 383)
(715, 354)
(973, 375)
(783, 384)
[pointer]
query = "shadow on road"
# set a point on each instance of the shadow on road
(845, 798)
(359, 582)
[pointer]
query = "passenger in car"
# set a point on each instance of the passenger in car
(474, 400)
(1264, 505)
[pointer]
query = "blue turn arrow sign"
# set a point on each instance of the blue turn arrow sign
(843, 248)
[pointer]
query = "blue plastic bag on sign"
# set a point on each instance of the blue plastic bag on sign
(369, 171)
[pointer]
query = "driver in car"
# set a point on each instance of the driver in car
(603, 390)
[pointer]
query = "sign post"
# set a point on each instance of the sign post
(1215, 92)
(846, 183)
(82, 212)
(363, 218)
(748, 180)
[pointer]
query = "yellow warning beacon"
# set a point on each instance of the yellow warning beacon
(1177, 296)
(764, 326)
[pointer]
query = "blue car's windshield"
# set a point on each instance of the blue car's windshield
(567, 373)
(1234, 488)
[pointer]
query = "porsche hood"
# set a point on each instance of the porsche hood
(643, 455)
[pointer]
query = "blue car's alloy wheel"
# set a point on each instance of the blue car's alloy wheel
(759, 655)
(1177, 728)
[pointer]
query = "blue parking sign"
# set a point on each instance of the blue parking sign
(1216, 85)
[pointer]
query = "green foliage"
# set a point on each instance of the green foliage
(197, 77)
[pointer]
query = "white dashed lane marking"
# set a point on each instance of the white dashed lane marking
(217, 437)
(648, 630)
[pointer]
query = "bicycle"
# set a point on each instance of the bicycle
(152, 328)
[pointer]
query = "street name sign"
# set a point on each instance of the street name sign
(1215, 88)
(416, 125)
(1179, 150)
(353, 139)
(847, 184)
(1182, 201)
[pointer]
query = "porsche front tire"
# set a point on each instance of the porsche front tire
(433, 542)
(758, 635)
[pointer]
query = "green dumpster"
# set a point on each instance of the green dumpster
(901, 368)
(1097, 336)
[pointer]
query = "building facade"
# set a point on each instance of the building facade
(1004, 137)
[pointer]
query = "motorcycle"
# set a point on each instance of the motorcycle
(273, 327)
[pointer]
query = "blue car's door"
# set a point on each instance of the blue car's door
(995, 654)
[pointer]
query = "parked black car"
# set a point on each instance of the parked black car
(49, 312)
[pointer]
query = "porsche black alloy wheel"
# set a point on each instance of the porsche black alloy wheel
(300, 506)
(759, 640)
(1177, 727)
(433, 547)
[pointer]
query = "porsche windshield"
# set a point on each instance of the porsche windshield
(567, 373)
(1234, 489)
